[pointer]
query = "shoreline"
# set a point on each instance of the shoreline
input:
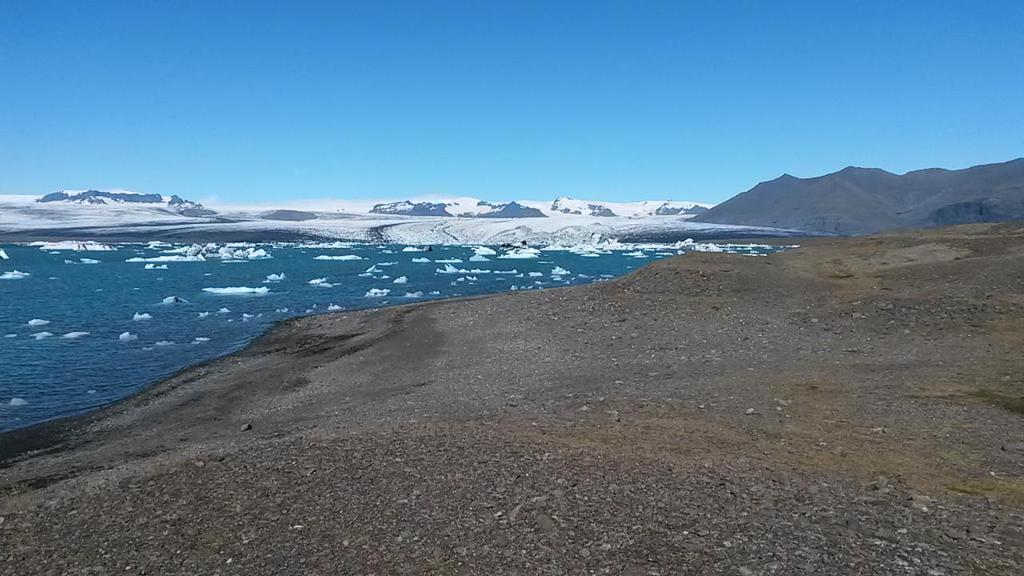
(852, 396)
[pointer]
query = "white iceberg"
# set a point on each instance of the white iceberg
(88, 261)
(484, 251)
(333, 307)
(88, 246)
(377, 293)
(479, 258)
(173, 258)
(174, 300)
(421, 260)
(127, 337)
(140, 317)
(17, 402)
(274, 277)
(151, 266)
(37, 322)
(224, 311)
(3, 255)
(400, 280)
(559, 271)
(413, 295)
(75, 335)
(320, 282)
(41, 335)
(342, 257)
(14, 275)
(204, 314)
(238, 291)
(449, 261)
(413, 249)
(521, 254)
(165, 343)
(200, 340)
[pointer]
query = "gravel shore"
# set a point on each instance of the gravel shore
(852, 406)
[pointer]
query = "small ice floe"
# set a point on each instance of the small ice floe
(484, 251)
(559, 271)
(281, 310)
(274, 278)
(435, 292)
(524, 253)
(224, 311)
(14, 275)
(372, 270)
(377, 293)
(413, 295)
(413, 249)
(449, 269)
(90, 391)
(3, 255)
(200, 340)
(636, 254)
(479, 258)
(400, 280)
(174, 300)
(320, 282)
(88, 261)
(385, 263)
(203, 314)
(333, 307)
(141, 317)
(238, 291)
(88, 246)
(246, 316)
(164, 343)
(449, 261)
(41, 335)
(421, 260)
(536, 274)
(152, 266)
(342, 257)
(127, 337)
(75, 335)
(10, 335)
(513, 271)
(37, 322)
(171, 258)
(17, 402)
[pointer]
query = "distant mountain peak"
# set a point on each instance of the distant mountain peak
(174, 203)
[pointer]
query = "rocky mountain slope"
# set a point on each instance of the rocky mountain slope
(866, 200)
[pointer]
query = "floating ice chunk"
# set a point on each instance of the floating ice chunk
(246, 316)
(14, 275)
(484, 251)
(173, 258)
(521, 254)
(224, 311)
(88, 246)
(636, 254)
(281, 310)
(37, 322)
(448, 269)
(421, 260)
(10, 335)
(151, 266)
(3, 255)
(274, 277)
(75, 335)
(88, 261)
(559, 271)
(320, 282)
(377, 293)
(174, 300)
(400, 280)
(200, 340)
(536, 274)
(413, 295)
(17, 402)
(238, 291)
(333, 307)
(513, 271)
(342, 257)
(164, 343)
(140, 317)
(204, 314)
(449, 261)
(479, 258)
(435, 292)
(413, 249)
(41, 335)
(373, 270)
(127, 337)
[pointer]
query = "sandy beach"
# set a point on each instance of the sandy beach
(851, 406)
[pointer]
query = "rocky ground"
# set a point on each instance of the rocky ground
(853, 406)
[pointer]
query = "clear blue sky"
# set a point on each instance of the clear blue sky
(271, 101)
